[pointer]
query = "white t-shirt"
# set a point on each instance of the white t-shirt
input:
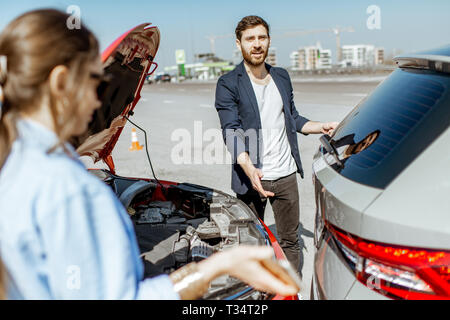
(277, 160)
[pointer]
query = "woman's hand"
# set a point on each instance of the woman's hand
(246, 264)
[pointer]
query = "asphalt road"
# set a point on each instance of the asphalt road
(170, 111)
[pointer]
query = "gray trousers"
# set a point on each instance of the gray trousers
(286, 210)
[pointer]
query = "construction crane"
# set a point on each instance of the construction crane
(336, 31)
(212, 40)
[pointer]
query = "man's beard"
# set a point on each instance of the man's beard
(253, 61)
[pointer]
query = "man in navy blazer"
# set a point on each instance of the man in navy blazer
(259, 120)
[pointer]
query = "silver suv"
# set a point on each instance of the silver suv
(382, 190)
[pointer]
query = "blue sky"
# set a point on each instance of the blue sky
(405, 25)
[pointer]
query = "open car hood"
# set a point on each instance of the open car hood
(126, 62)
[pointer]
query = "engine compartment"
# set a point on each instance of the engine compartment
(176, 224)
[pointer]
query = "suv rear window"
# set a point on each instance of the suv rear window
(392, 126)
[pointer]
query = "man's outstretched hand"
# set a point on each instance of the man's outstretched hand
(316, 127)
(328, 127)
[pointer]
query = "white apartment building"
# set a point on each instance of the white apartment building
(324, 59)
(379, 56)
(311, 58)
(361, 56)
(295, 63)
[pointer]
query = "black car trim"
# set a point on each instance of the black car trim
(434, 62)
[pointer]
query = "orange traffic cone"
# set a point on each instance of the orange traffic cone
(135, 146)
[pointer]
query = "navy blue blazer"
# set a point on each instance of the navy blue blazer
(241, 122)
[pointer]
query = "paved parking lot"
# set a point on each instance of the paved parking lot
(165, 110)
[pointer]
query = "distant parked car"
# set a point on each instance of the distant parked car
(165, 77)
(382, 186)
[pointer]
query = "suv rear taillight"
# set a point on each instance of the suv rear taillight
(394, 271)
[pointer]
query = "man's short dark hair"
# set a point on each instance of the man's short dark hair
(250, 22)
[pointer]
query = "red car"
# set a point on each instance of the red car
(175, 223)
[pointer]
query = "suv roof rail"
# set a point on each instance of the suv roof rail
(440, 63)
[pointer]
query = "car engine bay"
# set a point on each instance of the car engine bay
(176, 224)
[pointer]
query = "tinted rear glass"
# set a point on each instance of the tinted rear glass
(391, 127)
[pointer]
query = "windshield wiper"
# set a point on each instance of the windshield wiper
(325, 140)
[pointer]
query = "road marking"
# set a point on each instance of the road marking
(168, 101)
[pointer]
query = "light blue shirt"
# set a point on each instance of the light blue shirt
(63, 232)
